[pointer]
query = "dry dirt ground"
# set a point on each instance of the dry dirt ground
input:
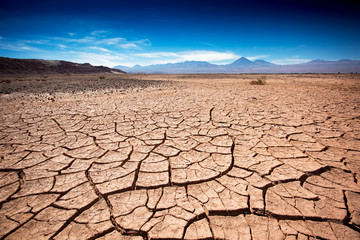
(182, 157)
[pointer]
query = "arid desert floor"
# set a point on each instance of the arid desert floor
(180, 157)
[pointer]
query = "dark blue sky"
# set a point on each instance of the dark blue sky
(148, 32)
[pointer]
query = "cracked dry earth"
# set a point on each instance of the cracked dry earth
(204, 159)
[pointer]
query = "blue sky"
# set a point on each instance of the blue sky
(148, 32)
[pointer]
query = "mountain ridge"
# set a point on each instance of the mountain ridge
(241, 65)
(41, 66)
(244, 65)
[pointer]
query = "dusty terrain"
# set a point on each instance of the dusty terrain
(181, 157)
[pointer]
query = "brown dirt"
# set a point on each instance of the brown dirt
(182, 157)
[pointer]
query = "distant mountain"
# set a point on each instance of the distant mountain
(244, 65)
(241, 62)
(40, 66)
(263, 63)
(317, 61)
(187, 66)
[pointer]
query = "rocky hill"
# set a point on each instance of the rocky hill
(39, 66)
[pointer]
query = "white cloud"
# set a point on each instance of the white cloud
(96, 55)
(98, 33)
(100, 49)
(208, 56)
(112, 58)
(105, 59)
(110, 41)
(208, 44)
(257, 57)
(75, 40)
(290, 61)
(156, 54)
(95, 41)
(123, 42)
(18, 47)
(129, 45)
(197, 55)
(38, 42)
(62, 46)
(144, 42)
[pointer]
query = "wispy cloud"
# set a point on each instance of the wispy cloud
(257, 57)
(156, 54)
(105, 59)
(290, 61)
(129, 45)
(113, 58)
(196, 55)
(123, 42)
(208, 44)
(18, 47)
(62, 46)
(145, 42)
(100, 49)
(97, 38)
(86, 39)
(37, 42)
(110, 41)
(99, 33)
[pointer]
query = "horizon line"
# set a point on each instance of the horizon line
(138, 65)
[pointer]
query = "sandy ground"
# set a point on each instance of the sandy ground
(180, 157)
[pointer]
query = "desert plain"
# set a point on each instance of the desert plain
(121, 156)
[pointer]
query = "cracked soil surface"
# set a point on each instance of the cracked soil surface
(205, 157)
